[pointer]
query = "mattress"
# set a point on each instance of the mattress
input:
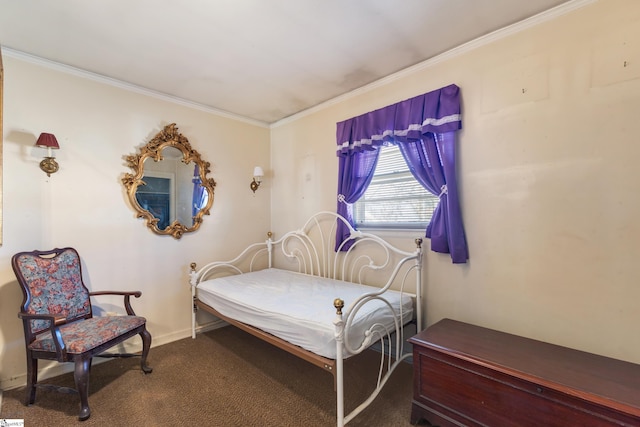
(298, 308)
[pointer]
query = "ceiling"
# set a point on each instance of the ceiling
(256, 59)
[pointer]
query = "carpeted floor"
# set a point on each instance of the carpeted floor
(224, 377)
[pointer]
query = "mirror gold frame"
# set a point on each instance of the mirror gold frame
(168, 137)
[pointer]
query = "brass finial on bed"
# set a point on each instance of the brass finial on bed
(339, 305)
(193, 266)
(269, 234)
(418, 242)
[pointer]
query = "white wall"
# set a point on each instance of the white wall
(548, 174)
(84, 205)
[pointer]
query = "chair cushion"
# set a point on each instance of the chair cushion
(84, 335)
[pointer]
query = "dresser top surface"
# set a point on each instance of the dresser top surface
(586, 375)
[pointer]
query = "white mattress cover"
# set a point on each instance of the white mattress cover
(299, 307)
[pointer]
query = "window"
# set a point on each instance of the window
(394, 199)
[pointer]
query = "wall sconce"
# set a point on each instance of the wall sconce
(258, 173)
(48, 141)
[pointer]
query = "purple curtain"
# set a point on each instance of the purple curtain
(199, 194)
(424, 128)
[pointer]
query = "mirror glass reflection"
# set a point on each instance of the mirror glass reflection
(172, 190)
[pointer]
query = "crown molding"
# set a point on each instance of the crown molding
(502, 33)
(67, 69)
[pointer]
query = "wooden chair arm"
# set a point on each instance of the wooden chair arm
(136, 294)
(127, 298)
(54, 322)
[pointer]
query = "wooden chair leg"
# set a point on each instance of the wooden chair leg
(146, 345)
(81, 377)
(32, 379)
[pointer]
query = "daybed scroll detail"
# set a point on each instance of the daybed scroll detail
(369, 285)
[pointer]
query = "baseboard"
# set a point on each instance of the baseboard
(130, 346)
(217, 324)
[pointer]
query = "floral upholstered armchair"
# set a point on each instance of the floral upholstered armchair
(58, 320)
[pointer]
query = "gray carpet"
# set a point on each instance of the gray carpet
(224, 377)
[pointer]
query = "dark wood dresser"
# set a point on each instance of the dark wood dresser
(466, 375)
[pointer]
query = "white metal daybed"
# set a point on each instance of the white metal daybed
(291, 306)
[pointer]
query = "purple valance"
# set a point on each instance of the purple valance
(436, 112)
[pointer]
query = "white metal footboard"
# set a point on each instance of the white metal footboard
(369, 260)
(392, 348)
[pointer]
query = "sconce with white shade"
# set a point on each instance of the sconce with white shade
(258, 173)
(48, 141)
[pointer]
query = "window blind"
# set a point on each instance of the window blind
(394, 199)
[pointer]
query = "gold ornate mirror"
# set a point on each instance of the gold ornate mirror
(169, 185)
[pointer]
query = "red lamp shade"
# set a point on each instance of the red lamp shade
(47, 140)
